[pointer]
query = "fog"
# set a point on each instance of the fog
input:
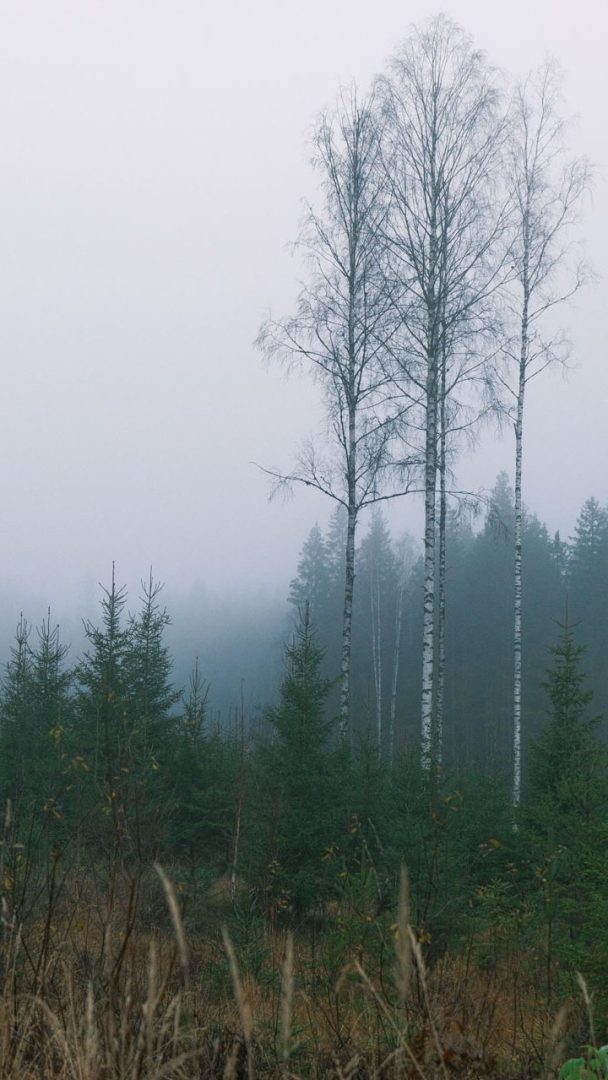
(155, 157)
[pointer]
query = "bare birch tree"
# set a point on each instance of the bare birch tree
(342, 324)
(444, 136)
(547, 187)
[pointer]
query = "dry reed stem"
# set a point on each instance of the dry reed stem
(555, 1048)
(422, 973)
(242, 1003)
(588, 1005)
(403, 967)
(91, 1038)
(287, 985)
(176, 918)
(151, 1002)
(389, 1016)
(231, 1063)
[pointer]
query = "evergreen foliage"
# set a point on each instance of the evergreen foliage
(285, 825)
(566, 820)
(299, 778)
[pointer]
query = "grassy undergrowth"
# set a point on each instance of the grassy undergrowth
(108, 973)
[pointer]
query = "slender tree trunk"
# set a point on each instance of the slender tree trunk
(439, 704)
(396, 656)
(517, 636)
(239, 807)
(517, 643)
(377, 655)
(428, 631)
(235, 849)
(430, 482)
(351, 483)
(518, 597)
(347, 622)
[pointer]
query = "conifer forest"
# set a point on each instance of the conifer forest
(359, 828)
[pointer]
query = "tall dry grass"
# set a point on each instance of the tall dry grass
(100, 981)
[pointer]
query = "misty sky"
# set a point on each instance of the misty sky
(154, 159)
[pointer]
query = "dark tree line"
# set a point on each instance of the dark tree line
(565, 579)
(106, 767)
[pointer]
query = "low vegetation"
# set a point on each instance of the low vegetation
(181, 901)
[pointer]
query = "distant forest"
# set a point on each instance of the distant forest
(239, 649)
(566, 582)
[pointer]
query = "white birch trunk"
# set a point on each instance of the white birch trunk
(547, 188)
(347, 624)
(428, 631)
(430, 481)
(518, 600)
(439, 703)
(443, 161)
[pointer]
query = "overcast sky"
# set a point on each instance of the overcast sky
(154, 158)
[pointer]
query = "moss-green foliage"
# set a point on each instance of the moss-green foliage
(213, 782)
(290, 827)
(36, 716)
(298, 806)
(124, 728)
(565, 822)
(593, 1065)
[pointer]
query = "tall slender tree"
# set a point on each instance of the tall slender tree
(299, 807)
(587, 583)
(102, 723)
(15, 715)
(152, 724)
(340, 330)
(443, 140)
(546, 187)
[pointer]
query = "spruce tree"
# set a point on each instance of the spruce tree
(152, 724)
(209, 765)
(588, 547)
(313, 577)
(35, 730)
(16, 718)
(565, 820)
(298, 778)
(565, 758)
(102, 726)
(50, 763)
(194, 711)
(587, 581)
